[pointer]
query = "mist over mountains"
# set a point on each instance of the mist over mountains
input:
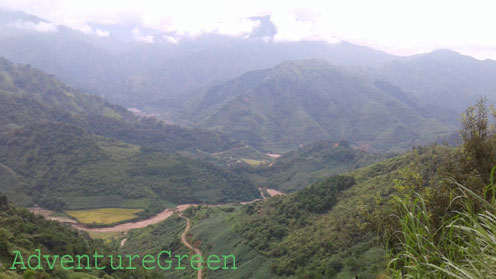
(191, 82)
(124, 71)
(209, 128)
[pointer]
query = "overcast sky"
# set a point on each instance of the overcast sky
(396, 26)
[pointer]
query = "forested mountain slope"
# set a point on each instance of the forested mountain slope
(27, 92)
(324, 230)
(300, 102)
(443, 78)
(308, 164)
(61, 149)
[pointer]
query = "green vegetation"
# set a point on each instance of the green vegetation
(64, 150)
(300, 102)
(106, 236)
(214, 230)
(447, 229)
(22, 231)
(28, 95)
(63, 167)
(67, 151)
(328, 230)
(289, 230)
(457, 80)
(153, 239)
(103, 215)
(309, 164)
(464, 247)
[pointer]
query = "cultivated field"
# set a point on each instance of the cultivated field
(252, 162)
(103, 215)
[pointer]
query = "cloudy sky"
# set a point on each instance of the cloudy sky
(396, 26)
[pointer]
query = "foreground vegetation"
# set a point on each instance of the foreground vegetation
(23, 231)
(214, 231)
(464, 247)
(448, 230)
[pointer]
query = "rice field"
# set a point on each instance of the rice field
(252, 162)
(103, 215)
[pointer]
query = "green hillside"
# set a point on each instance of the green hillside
(27, 93)
(306, 165)
(64, 150)
(22, 231)
(63, 166)
(301, 102)
(154, 239)
(326, 230)
(318, 232)
(323, 231)
(443, 78)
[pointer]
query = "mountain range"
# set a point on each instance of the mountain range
(299, 102)
(92, 121)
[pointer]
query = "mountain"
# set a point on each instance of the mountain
(211, 59)
(62, 149)
(123, 70)
(300, 102)
(443, 78)
(28, 92)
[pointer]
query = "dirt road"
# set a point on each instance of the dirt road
(234, 149)
(185, 242)
(134, 225)
(273, 192)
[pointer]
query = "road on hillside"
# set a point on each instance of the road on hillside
(185, 242)
(137, 224)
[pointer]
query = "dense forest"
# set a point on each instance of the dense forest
(300, 102)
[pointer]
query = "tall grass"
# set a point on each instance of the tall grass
(462, 247)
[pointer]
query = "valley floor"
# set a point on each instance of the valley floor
(137, 224)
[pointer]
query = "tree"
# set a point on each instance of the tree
(3, 202)
(471, 164)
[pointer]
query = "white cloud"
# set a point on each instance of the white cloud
(40, 26)
(101, 33)
(149, 39)
(397, 26)
(290, 28)
(170, 39)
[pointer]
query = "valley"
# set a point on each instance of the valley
(114, 213)
(295, 157)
